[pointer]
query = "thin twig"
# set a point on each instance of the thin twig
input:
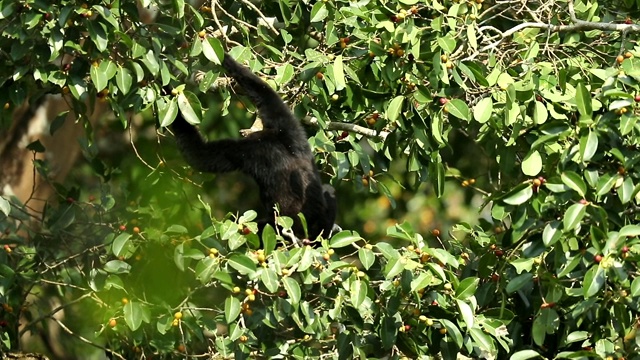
(87, 341)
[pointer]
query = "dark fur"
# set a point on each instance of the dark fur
(277, 157)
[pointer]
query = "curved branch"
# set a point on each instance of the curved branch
(357, 129)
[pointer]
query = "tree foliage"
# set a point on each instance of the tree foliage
(530, 105)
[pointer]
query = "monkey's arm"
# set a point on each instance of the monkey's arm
(274, 112)
(213, 156)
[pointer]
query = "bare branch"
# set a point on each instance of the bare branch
(332, 125)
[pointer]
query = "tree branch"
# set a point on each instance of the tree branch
(576, 25)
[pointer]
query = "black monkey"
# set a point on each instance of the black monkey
(278, 157)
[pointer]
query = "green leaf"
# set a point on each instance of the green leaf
(422, 281)
(606, 183)
(268, 239)
(551, 233)
(358, 292)
(467, 288)
(231, 309)
(577, 336)
(338, 73)
(387, 250)
(344, 238)
(627, 123)
(98, 35)
(133, 314)
(393, 268)
(635, 287)
(593, 281)
(319, 12)
(626, 191)
(540, 113)
(243, 264)
(117, 267)
(518, 282)
(393, 110)
(270, 279)
(5, 207)
(447, 43)
(190, 107)
(588, 146)
(466, 312)
(575, 182)
(98, 78)
(459, 109)
(532, 164)
(293, 289)
(212, 50)
(151, 62)
(452, 331)
(573, 216)
(522, 264)
(367, 258)
(167, 111)
(525, 354)
(124, 79)
(482, 340)
(205, 269)
(483, 109)
(519, 195)
(120, 244)
(583, 101)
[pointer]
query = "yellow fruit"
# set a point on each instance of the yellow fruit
(113, 323)
(331, 251)
(125, 301)
(7, 106)
(202, 33)
(447, 286)
(620, 59)
(177, 315)
(236, 290)
(443, 331)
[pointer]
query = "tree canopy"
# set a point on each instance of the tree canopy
(484, 153)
